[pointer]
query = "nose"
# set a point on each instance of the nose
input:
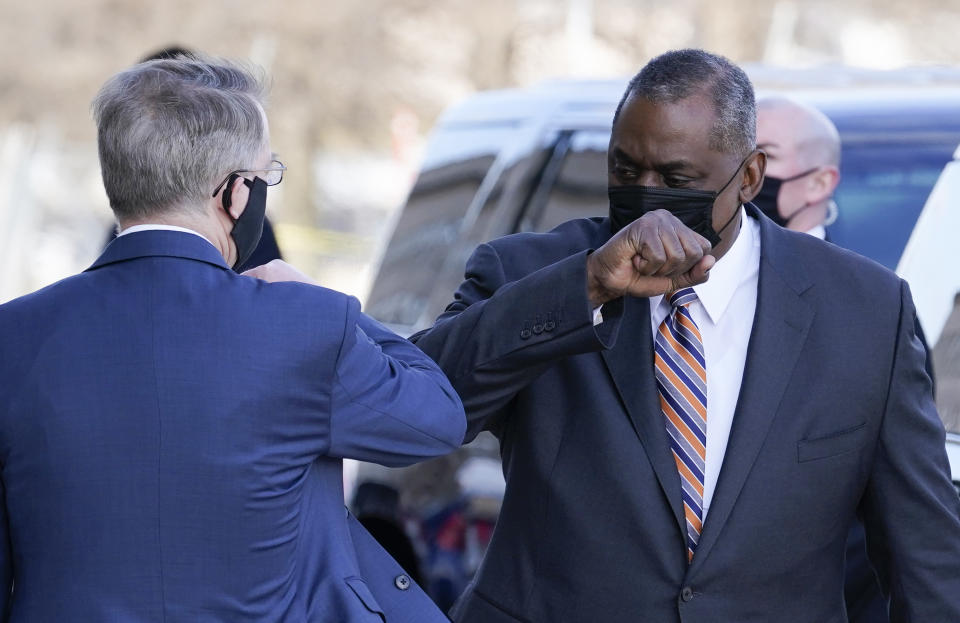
(649, 178)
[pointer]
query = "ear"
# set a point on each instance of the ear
(235, 194)
(822, 184)
(753, 171)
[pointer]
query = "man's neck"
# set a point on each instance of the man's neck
(808, 218)
(730, 234)
(132, 229)
(213, 232)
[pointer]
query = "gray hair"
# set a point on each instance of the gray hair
(678, 74)
(168, 131)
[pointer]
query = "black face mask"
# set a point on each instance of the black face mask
(766, 199)
(693, 208)
(248, 228)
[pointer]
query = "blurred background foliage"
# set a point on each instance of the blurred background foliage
(356, 87)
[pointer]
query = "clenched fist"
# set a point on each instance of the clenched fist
(654, 254)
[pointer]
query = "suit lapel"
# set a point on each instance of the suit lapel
(781, 323)
(630, 363)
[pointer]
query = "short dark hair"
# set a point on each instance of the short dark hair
(678, 74)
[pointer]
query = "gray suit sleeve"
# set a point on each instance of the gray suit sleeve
(910, 509)
(390, 404)
(499, 335)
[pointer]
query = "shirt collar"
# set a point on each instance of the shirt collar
(154, 227)
(818, 232)
(739, 263)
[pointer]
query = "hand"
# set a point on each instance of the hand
(278, 270)
(654, 254)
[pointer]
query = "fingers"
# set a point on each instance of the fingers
(257, 272)
(681, 247)
(278, 270)
(647, 246)
(694, 244)
(646, 258)
(674, 251)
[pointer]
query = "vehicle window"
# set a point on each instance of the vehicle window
(882, 190)
(453, 143)
(946, 370)
(497, 205)
(429, 223)
(579, 186)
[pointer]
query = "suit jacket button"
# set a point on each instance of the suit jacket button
(525, 334)
(538, 329)
(402, 582)
(549, 326)
(686, 594)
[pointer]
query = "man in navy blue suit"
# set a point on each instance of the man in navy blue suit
(693, 404)
(172, 433)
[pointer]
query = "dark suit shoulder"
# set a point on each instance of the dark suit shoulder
(842, 275)
(523, 253)
(826, 256)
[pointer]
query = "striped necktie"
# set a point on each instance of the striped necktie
(681, 374)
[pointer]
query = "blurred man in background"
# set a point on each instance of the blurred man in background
(171, 432)
(803, 160)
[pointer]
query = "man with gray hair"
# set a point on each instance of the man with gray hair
(171, 432)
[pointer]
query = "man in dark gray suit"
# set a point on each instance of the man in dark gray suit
(678, 448)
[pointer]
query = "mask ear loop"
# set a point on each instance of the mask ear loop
(730, 220)
(227, 198)
(723, 188)
(832, 213)
(799, 175)
(735, 171)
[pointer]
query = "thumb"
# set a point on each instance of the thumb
(696, 275)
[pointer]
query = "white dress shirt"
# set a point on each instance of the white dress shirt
(152, 227)
(818, 232)
(724, 312)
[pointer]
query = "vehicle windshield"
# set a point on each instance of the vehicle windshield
(881, 193)
(457, 161)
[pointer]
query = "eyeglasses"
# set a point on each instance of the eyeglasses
(274, 175)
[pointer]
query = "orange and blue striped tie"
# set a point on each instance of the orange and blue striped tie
(681, 374)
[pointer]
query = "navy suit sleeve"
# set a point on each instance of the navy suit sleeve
(390, 404)
(499, 335)
(910, 509)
